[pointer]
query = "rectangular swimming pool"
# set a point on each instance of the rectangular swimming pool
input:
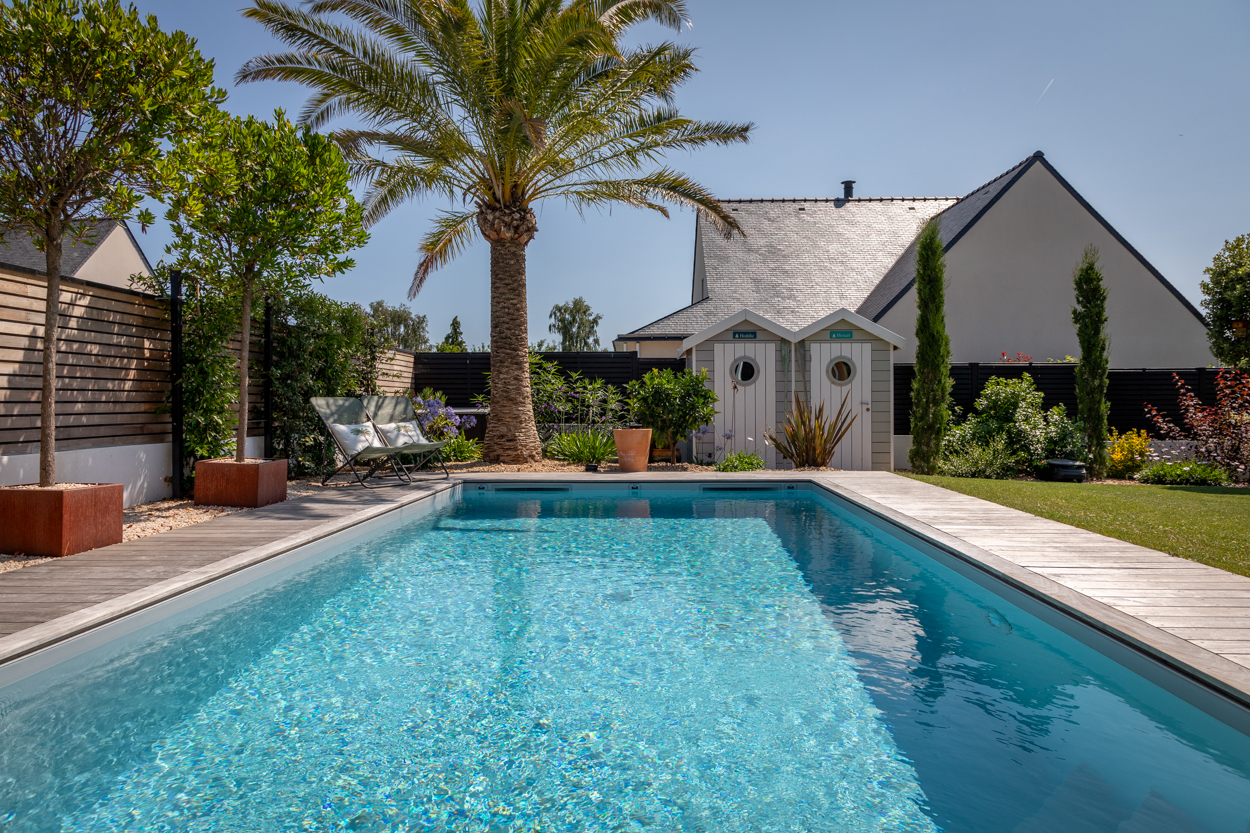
(670, 659)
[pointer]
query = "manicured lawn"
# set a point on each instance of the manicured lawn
(1206, 524)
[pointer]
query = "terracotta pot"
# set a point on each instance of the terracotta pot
(227, 483)
(60, 521)
(632, 445)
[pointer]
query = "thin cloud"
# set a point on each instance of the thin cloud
(1039, 98)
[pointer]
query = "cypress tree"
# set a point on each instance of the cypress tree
(1090, 317)
(931, 389)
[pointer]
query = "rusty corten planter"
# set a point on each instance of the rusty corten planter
(227, 483)
(60, 522)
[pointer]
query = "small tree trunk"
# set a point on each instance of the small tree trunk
(245, 327)
(51, 332)
(511, 436)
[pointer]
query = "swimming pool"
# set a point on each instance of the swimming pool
(665, 660)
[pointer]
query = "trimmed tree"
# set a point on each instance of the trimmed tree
(1090, 317)
(1226, 299)
(931, 388)
(260, 210)
(496, 107)
(453, 342)
(89, 91)
(577, 325)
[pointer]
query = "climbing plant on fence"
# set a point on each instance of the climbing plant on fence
(321, 348)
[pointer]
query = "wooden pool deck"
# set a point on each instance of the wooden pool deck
(1196, 618)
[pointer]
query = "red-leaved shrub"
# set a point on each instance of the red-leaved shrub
(1220, 433)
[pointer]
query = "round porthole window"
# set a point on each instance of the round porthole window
(744, 370)
(840, 370)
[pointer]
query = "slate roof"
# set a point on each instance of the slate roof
(18, 252)
(800, 259)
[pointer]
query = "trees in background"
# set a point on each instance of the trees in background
(1226, 299)
(402, 327)
(453, 342)
(258, 211)
(577, 325)
(931, 387)
(89, 91)
(496, 106)
(1090, 317)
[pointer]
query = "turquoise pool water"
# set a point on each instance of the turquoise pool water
(565, 663)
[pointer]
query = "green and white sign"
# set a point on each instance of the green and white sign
(748, 334)
(841, 334)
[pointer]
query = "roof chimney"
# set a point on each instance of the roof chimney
(848, 189)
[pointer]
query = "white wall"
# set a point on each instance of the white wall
(141, 469)
(1009, 287)
(114, 260)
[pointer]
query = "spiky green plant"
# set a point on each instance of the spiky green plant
(496, 105)
(586, 447)
(809, 439)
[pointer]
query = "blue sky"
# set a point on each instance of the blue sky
(1142, 106)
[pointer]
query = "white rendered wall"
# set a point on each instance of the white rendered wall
(1009, 288)
(114, 261)
(141, 469)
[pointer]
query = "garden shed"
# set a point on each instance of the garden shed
(848, 358)
(748, 362)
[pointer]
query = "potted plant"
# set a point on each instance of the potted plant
(259, 210)
(672, 405)
(89, 92)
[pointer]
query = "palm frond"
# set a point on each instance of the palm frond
(450, 236)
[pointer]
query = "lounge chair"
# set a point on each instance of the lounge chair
(397, 421)
(357, 438)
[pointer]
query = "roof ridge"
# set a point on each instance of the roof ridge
(1000, 176)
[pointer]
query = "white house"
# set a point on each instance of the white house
(1011, 246)
(107, 255)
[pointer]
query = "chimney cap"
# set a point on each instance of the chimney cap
(848, 189)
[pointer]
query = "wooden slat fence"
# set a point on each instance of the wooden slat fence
(395, 372)
(1127, 389)
(462, 376)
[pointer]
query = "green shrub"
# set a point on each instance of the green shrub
(741, 461)
(1010, 425)
(672, 405)
(1184, 473)
(991, 459)
(585, 447)
(461, 449)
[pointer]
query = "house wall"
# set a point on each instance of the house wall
(114, 260)
(882, 388)
(1009, 288)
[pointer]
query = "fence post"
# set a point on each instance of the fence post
(175, 372)
(268, 379)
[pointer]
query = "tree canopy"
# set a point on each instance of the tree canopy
(402, 327)
(90, 92)
(260, 210)
(577, 325)
(1226, 299)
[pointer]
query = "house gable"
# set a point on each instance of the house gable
(1009, 282)
(107, 254)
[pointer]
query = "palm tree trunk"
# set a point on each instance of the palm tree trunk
(511, 436)
(240, 437)
(51, 331)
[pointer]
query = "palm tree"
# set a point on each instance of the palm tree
(495, 105)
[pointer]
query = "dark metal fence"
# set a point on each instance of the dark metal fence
(1127, 390)
(462, 376)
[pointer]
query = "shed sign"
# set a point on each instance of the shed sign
(841, 334)
(747, 334)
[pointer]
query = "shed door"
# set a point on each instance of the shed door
(746, 408)
(845, 369)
